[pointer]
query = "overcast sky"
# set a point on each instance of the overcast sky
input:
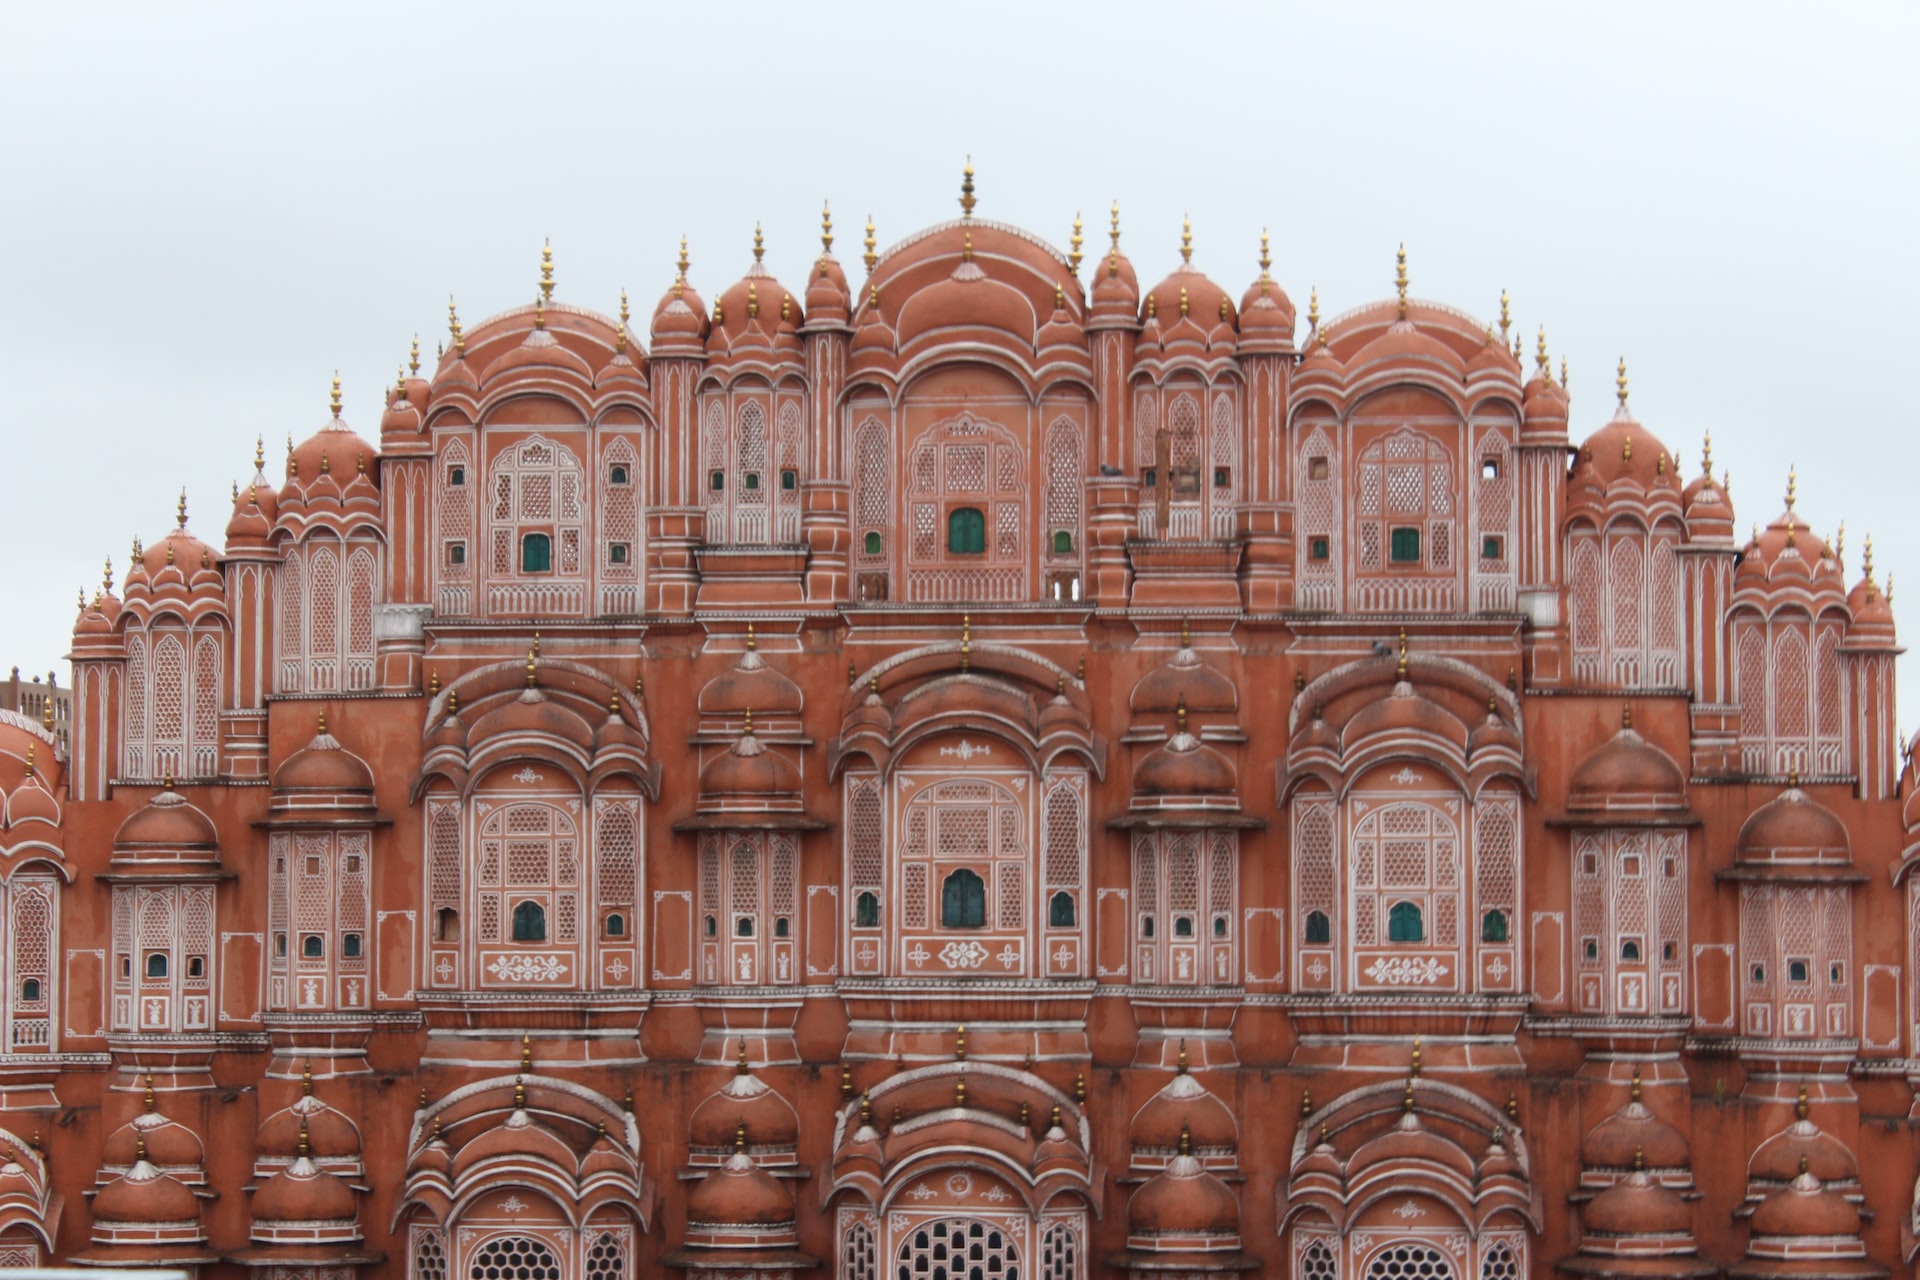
(205, 211)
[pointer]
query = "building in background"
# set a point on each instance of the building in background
(988, 770)
(44, 702)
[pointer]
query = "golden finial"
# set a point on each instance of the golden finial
(753, 641)
(1866, 558)
(1565, 385)
(680, 278)
(1153, 305)
(1183, 300)
(1506, 316)
(719, 312)
(536, 643)
(1306, 1103)
(846, 1081)
(321, 727)
(1541, 363)
(1706, 455)
(1518, 349)
(526, 1051)
(1186, 1141)
(1406, 1099)
(413, 355)
(1634, 1091)
(1186, 633)
(1026, 1116)
(335, 397)
(1400, 278)
(1186, 238)
(1513, 1105)
(306, 1078)
(1180, 715)
(870, 257)
(1639, 1160)
(546, 270)
(140, 1149)
(1402, 669)
(759, 243)
(399, 383)
(1626, 715)
(966, 253)
(1266, 260)
(1313, 310)
(1180, 1064)
(1080, 670)
(1620, 382)
(1889, 591)
(453, 702)
(170, 544)
(146, 1097)
(1080, 1088)
(746, 728)
(1800, 1104)
(1793, 483)
(1626, 448)
(1415, 1061)
(786, 306)
(960, 1043)
(966, 190)
(740, 1060)
(519, 1094)
(539, 312)
(259, 454)
(640, 686)
(1113, 225)
(180, 509)
(753, 301)
(966, 641)
(1840, 540)
(1075, 241)
(433, 683)
(826, 227)
(866, 1111)
(960, 1093)
(533, 669)
(1059, 296)
(1054, 1119)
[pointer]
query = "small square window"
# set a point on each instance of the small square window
(456, 476)
(350, 864)
(1491, 549)
(1630, 865)
(456, 553)
(196, 966)
(1837, 973)
(789, 480)
(1222, 477)
(1667, 951)
(1797, 970)
(1317, 469)
(752, 480)
(1590, 948)
(1062, 542)
(616, 553)
(1489, 468)
(350, 946)
(617, 475)
(1151, 478)
(1757, 975)
(717, 481)
(871, 542)
(280, 944)
(1406, 545)
(1320, 548)
(313, 864)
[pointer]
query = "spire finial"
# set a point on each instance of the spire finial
(334, 399)
(1266, 258)
(306, 1078)
(740, 1063)
(1181, 1067)
(753, 641)
(826, 227)
(1565, 384)
(1639, 1160)
(746, 729)
(1113, 226)
(1706, 455)
(1540, 361)
(1800, 1104)
(526, 1051)
(413, 356)
(1620, 382)
(1506, 316)
(546, 270)
(869, 257)
(1626, 715)
(1793, 483)
(966, 641)
(1186, 238)
(147, 1096)
(966, 253)
(960, 1043)
(1400, 278)
(455, 331)
(759, 243)
(1186, 1140)
(106, 577)
(620, 338)
(966, 190)
(680, 280)
(1634, 1092)
(1313, 310)
(1075, 241)
(539, 311)
(320, 728)
(180, 509)
(740, 1137)
(1840, 540)
(260, 453)
(1402, 670)
(1866, 558)
(533, 669)
(1414, 1061)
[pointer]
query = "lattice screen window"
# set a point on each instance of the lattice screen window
(786, 479)
(1502, 1262)
(1629, 922)
(529, 853)
(427, 1259)
(1405, 854)
(1319, 1260)
(31, 911)
(1060, 1252)
(1496, 868)
(1065, 479)
(958, 1247)
(972, 825)
(859, 1254)
(620, 550)
(607, 1257)
(1410, 1261)
(453, 514)
(538, 487)
(1493, 553)
(866, 851)
(873, 523)
(1315, 878)
(616, 864)
(514, 1258)
(173, 704)
(961, 467)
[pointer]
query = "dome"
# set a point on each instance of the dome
(1779, 1158)
(1871, 623)
(1115, 291)
(757, 311)
(539, 353)
(1405, 343)
(1634, 1135)
(1792, 827)
(1061, 331)
(323, 765)
(747, 1100)
(1638, 1206)
(1190, 308)
(1184, 678)
(145, 1196)
(750, 685)
(334, 450)
(167, 821)
(680, 317)
(252, 523)
(1623, 451)
(536, 714)
(1805, 1207)
(1184, 1105)
(740, 1193)
(1706, 504)
(1626, 772)
(1184, 766)
(166, 1142)
(329, 1134)
(303, 1192)
(748, 771)
(1266, 312)
(967, 299)
(31, 801)
(1183, 1199)
(829, 299)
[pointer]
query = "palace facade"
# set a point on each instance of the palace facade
(981, 769)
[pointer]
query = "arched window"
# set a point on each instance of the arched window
(1319, 929)
(1404, 923)
(1630, 950)
(616, 925)
(529, 922)
(1062, 542)
(1493, 927)
(966, 531)
(313, 947)
(866, 911)
(536, 553)
(515, 1258)
(871, 543)
(1060, 910)
(446, 925)
(963, 901)
(157, 964)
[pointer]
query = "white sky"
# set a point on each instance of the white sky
(205, 211)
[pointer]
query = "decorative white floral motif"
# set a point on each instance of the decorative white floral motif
(443, 969)
(1406, 777)
(1498, 968)
(528, 968)
(1063, 955)
(513, 1204)
(617, 969)
(866, 953)
(995, 1194)
(959, 1184)
(1409, 1211)
(923, 1192)
(1009, 956)
(528, 774)
(1407, 971)
(963, 955)
(919, 953)
(966, 751)
(1318, 968)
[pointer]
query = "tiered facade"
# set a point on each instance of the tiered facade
(987, 771)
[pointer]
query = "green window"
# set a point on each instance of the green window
(1493, 927)
(536, 553)
(789, 480)
(866, 911)
(1319, 929)
(1406, 546)
(529, 923)
(1060, 910)
(1404, 924)
(1489, 548)
(1319, 548)
(872, 542)
(963, 901)
(967, 531)
(1062, 542)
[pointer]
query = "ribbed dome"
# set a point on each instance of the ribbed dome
(143, 1194)
(1792, 827)
(1634, 1133)
(1184, 1199)
(323, 765)
(1184, 767)
(740, 1193)
(1184, 678)
(1779, 1158)
(1638, 1205)
(302, 1192)
(748, 771)
(750, 685)
(1627, 772)
(167, 821)
(167, 1143)
(329, 1134)
(1805, 1207)
(747, 1100)
(1184, 1104)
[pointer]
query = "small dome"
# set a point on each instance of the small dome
(748, 771)
(1266, 313)
(539, 353)
(323, 765)
(1779, 1158)
(747, 1100)
(252, 521)
(302, 1192)
(1184, 1199)
(31, 801)
(1184, 678)
(1492, 733)
(1624, 452)
(967, 299)
(1792, 827)
(334, 451)
(1187, 309)
(1115, 292)
(167, 821)
(330, 1135)
(536, 714)
(829, 299)
(1184, 767)
(757, 311)
(680, 317)
(1805, 1207)
(1871, 623)
(1626, 772)
(750, 685)
(1405, 343)
(1637, 1205)
(1634, 1134)
(740, 1193)
(1184, 1105)
(168, 1143)
(144, 1195)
